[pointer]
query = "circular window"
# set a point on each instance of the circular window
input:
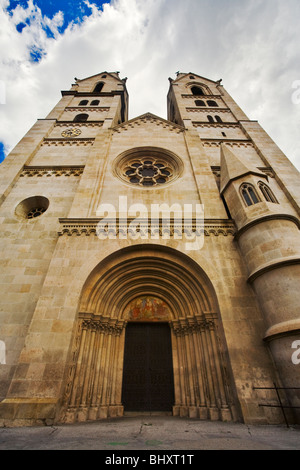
(32, 207)
(148, 167)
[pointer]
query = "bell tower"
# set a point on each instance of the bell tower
(257, 185)
(193, 99)
(101, 97)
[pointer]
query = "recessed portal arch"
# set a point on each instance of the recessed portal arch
(201, 383)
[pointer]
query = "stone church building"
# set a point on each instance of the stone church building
(106, 311)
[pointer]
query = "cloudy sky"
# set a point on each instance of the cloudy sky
(253, 45)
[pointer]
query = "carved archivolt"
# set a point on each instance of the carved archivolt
(184, 298)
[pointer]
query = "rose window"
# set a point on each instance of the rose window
(148, 167)
(35, 212)
(148, 172)
(32, 207)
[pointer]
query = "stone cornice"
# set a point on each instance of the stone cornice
(286, 328)
(215, 124)
(209, 110)
(87, 108)
(274, 264)
(213, 109)
(79, 123)
(91, 93)
(87, 227)
(230, 142)
(202, 97)
(259, 220)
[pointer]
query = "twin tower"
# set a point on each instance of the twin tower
(138, 317)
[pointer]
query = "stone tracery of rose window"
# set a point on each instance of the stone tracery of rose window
(148, 172)
(148, 167)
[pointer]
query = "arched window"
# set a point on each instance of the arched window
(249, 194)
(218, 119)
(200, 103)
(210, 118)
(83, 103)
(267, 192)
(81, 117)
(212, 103)
(197, 91)
(95, 102)
(98, 87)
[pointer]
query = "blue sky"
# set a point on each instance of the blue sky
(73, 10)
(253, 45)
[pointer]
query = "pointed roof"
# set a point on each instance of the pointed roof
(114, 75)
(233, 168)
(180, 76)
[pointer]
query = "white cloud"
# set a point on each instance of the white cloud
(253, 45)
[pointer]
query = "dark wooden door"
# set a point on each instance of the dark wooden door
(148, 383)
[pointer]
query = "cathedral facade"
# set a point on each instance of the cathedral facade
(148, 265)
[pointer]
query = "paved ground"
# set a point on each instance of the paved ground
(151, 433)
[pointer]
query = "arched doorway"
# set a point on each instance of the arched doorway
(187, 305)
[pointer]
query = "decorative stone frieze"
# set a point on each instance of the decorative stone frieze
(88, 227)
(229, 142)
(51, 171)
(79, 124)
(68, 142)
(83, 109)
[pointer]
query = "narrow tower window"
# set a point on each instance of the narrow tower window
(200, 103)
(218, 119)
(81, 117)
(98, 87)
(95, 102)
(83, 103)
(197, 91)
(212, 103)
(267, 192)
(249, 194)
(210, 118)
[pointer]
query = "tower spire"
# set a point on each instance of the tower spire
(232, 167)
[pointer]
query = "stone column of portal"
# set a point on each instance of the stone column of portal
(269, 240)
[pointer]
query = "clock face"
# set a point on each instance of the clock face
(71, 132)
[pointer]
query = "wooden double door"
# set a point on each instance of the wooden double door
(148, 382)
